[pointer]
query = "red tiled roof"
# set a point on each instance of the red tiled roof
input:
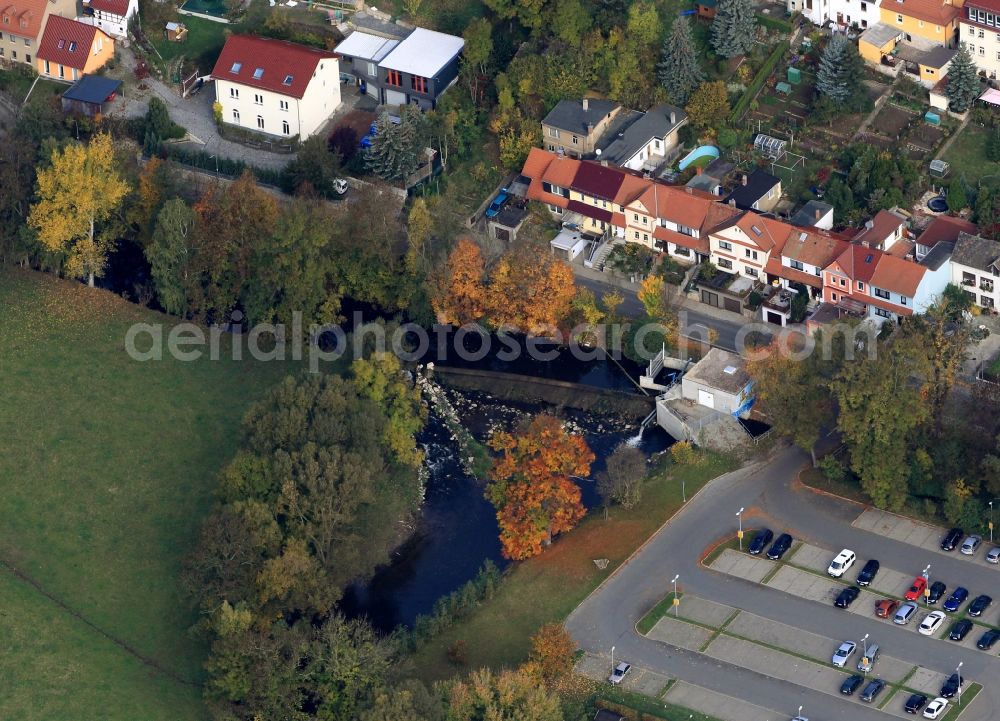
(884, 224)
(274, 65)
(699, 244)
(808, 246)
(934, 11)
(598, 181)
(858, 262)
(898, 275)
(774, 267)
(25, 17)
(590, 211)
(67, 42)
(989, 5)
(114, 7)
(946, 228)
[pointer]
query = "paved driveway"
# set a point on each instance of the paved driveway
(771, 497)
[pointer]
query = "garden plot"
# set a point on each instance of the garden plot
(923, 139)
(893, 120)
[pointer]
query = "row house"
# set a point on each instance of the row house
(21, 25)
(846, 13)
(979, 29)
(111, 16)
(975, 268)
(874, 284)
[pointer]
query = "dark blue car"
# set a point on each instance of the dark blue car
(760, 541)
(497, 205)
(956, 599)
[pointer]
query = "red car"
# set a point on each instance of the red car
(886, 607)
(916, 591)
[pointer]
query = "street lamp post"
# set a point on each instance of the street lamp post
(927, 587)
(739, 515)
(799, 714)
(864, 644)
(991, 521)
(676, 600)
(959, 672)
(612, 659)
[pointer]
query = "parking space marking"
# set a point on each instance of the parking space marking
(702, 610)
(916, 533)
(679, 633)
(594, 667)
(716, 704)
(927, 681)
(645, 682)
(742, 565)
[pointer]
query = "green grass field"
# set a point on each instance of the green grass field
(967, 156)
(204, 42)
(107, 466)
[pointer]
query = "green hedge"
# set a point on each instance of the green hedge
(224, 166)
(758, 82)
(779, 24)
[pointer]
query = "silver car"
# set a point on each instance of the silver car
(905, 613)
(993, 555)
(971, 545)
(843, 653)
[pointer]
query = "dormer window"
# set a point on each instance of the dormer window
(236, 68)
(258, 73)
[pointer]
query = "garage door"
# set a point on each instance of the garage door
(706, 399)
(394, 97)
(732, 305)
(775, 318)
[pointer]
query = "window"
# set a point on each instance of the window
(576, 140)
(260, 122)
(864, 6)
(861, 286)
(986, 301)
(258, 73)
(982, 50)
(644, 220)
(752, 254)
(725, 264)
(27, 58)
(636, 234)
(236, 116)
(725, 245)
(234, 93)
(645, 237)
(72, 46)
(796, 264)
(902, 300)
(2, 53)
(394, 78)
(981, 34)
(553, 132)
(47, 71)
(882, 313)
(752, 272)
(833, 297)
(418, 83)
(842, 282)
(27, 42)
(288, 80)
(684, 230)
(635, 216)
(258, 99)
(285, 128)
(899, 19)
(372, 70)
(879, 293)
(283, 105)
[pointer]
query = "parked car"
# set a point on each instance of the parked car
(886, 607)
(916, 589)
(936, 708)
(868, 573)
(851, 684)
(760, 541)
(780, 547)
(993, 555)
(846, 597)
(952, 686)
(867, 661)
(956, 599)
(971, 545)
(619, 673)
(497, 205)
(843, 653)
(951, 539)
(915, 703)
(340, 186)
(979, 605)
(986, 641)
(960, 629)
(931, 623)
(872, 690)
(842, 563)
(937, 591)
(904, 613)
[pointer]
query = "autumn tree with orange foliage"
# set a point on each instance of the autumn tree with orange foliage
(552, 650)
(461, 293)
(531, 486)
(530, 291)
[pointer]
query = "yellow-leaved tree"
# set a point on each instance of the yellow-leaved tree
(80, 189)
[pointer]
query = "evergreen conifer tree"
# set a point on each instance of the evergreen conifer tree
(734, 29)
(963, 81)
(678, 70)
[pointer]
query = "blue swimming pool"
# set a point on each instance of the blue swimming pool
(938, 204)
(702, 151)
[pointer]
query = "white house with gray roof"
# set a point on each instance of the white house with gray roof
(975, 268)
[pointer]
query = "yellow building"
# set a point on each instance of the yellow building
(70, 49)
(933, 20)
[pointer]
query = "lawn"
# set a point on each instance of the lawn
(967, 155)
(547, 588)
(204, 42)
(16, 84)
(106, 470)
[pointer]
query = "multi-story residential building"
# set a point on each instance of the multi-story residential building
(872, 283)
(803, 256)
(21, 25)
(745, 244)
(943, 228)
(975, 268)
(758, 191)
(111, 16)
(882, 232)
(414, 69)
(979, 29)
(276, 87)
(593, 128)
(933, 20)
(70, 49)
(846, 13)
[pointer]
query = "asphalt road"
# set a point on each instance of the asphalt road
(696, 322)
(607, 618)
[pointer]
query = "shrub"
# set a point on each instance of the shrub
(458, 653)
(684, 453)
(832, 469)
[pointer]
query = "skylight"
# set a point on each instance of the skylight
(288, 80)
(72, 46)
(258, 73)
(236, 67)
(755, 229)
(869, 258)
(61, 44)
(729, 370)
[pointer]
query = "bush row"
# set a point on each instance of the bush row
(456, 605)
(758, 82)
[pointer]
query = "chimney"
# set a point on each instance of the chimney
(864, 244)
(869, 224)
(673, 118)
(590, 129)
(690, 191)
(586, 104)
(732, 203)
(604, 163)
(744, 178)
(818, 213)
